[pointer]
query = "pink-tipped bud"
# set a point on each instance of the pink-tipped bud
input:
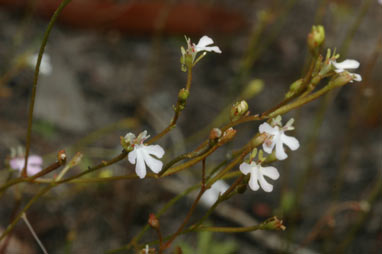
(153, 221)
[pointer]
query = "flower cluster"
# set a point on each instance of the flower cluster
(142, 155)
(275, 139)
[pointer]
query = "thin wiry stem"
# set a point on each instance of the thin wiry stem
(24, 217)
(35, 80)
(26, 207)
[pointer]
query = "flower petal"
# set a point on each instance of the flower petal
(140, 168)
(245, 168)
(17, 163)
(265, 127)
(357, 77)
(267, 187)
(220, 186)
(253, 184)
(270, 172)
(291, 142)
(211, 195)
(132, 156)
(204, 41)
(156, 150)
(347, 64)
(215, 49)
(154, 164)
(280, 153)
(268, 149)
(35, 159)
(33, 169)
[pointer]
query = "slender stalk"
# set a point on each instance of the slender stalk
(26, 207)
(231, 229)
(301, 101)
(43, 172)
(178, 108)
(190, 163)
(103, 164)
(186, 219)
(35, 80)
(24, 217)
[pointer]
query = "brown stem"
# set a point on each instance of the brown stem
(103, 164)
(185, 221)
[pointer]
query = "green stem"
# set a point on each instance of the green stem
(177, 109)
(36, 74)
(301, 101)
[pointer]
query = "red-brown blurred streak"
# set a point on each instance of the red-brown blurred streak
(139, 17)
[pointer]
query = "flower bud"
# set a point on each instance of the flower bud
(316, 38)
(183, 95)
(126, 145)
(254, 87)
(274, 223)
(215, 133)
(294, 87)
(153, 221)
(61, 156)
(76, 159)
(238, 110)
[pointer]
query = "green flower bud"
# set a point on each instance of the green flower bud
(294, 88)
(183, 95)
(254, 87)
(316, 38)
(274, 223)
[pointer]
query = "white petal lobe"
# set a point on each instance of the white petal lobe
(140, 168)
(156, 150)
(267, 187)
(245, 168)
(265, 127)
(271, 172)
(291, 142)
(204, 41)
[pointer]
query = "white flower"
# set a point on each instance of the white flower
(34, 164)
(212, 194)
(45, 66)
(277, 138)
(141, 155)
(257, 175)
(345, 65)
(189, 54)
(203, 45)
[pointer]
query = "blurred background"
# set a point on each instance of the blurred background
(115, 68)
